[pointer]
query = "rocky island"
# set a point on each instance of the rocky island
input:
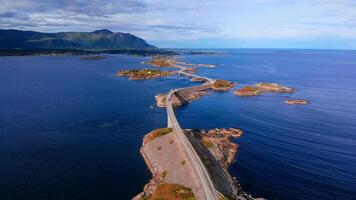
(248, 91)
(160, 61)
(195, 79)
(274, 87)
(296, 101)
(222, 85)
(141, 74)
(259, 88)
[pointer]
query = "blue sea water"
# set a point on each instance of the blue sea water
(71, 129)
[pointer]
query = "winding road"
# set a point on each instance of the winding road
(206, 183)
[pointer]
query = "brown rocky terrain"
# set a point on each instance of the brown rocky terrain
(161, 100)
(248, 91)
(191, 70)
(274, 87)
(218, 152)
(195, 79)
(222, 85)
(296, 101)
(141, 74)
(159, 61)
(218, 141)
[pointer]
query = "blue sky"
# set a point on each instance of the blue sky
(316, 24)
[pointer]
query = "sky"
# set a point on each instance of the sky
(315, 24)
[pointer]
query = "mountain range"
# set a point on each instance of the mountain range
(97, 40)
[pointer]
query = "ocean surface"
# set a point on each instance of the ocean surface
(70, 129)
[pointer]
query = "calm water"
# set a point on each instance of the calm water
(70, 129)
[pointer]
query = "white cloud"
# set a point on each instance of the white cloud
(186, 20)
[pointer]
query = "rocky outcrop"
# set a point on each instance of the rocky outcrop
(222, 85)
(217, 150)
(188, 97)
(223, 148)
(259, 88)
(161, 100)
(248, 91)
(191, 70)
(196, 79)
(296, 101)
(159, 61)
(273, 87)
(141, 74)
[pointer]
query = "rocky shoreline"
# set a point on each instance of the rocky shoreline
(161, 98)
(260, 88)
(215, 147)
(222, 85)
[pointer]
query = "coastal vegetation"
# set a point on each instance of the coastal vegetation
(141, 74)
(208, 144)
(157, 133)
(170, 191)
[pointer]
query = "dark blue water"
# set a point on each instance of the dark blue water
(70, 129)
(287, 152)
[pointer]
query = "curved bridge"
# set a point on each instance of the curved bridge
(206, 183)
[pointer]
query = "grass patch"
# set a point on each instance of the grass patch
(171, 141)
(158, 133)
(169, 191)
(207, 143)
(164, 174)
(182, 162)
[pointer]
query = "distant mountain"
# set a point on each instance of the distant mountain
(96, 40)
